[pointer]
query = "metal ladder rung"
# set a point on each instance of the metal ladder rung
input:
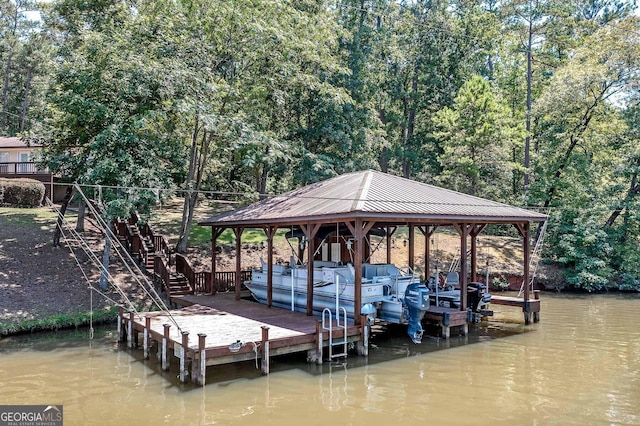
(327, 312)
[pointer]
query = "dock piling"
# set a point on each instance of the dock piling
(363, 344)
(184, 372)
(120, 321)
(165, 347)
(145, 341)
(130, 330)
(199, 368)
(315, 355)
(265, 349)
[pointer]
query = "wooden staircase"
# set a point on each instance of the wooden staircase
(178, 285)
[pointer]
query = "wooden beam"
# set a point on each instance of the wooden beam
(215, 233)
(238, 233)
(270, 232)
(428, 232)
(475, 231)
(527, 258)
(412, 236)
(359, 242)
(310, 231)
(390, 231)
(463, 230)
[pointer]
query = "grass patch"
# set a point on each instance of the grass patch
(58, 322)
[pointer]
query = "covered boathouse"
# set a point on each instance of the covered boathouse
(354, 206)
(366, 200)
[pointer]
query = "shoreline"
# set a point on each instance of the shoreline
(57, 322)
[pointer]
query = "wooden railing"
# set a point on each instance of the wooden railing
(162, 272)
(21, 168)
(226, 281)
(133, 233)
(199, 281)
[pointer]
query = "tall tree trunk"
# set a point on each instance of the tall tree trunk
(5, 93)
(181, 246)
(410, 114)
(634, 189)
(104, 278)
(81, 215)
(527, 140)
(383, 160)
(63, 209)
(25, 101)
(191, 197)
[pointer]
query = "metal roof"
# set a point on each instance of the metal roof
(376, 196)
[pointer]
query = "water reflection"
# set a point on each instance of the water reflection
(580, 365)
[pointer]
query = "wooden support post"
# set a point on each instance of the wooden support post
(165, 347)
(130, 329)
(412, 255)
(184, 372)
(446, 331)
(147, 333)
(536, 315)
(120, 322)
(319, 342)
(265, 349)
(213, 288)
(363, 344)
(199, 364)
(238, 283)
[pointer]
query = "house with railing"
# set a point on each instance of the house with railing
(17, 161)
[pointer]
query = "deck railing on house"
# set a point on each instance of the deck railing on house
(22, 168)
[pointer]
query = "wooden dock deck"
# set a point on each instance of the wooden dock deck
(530, 308)
(445, 318)
(214, 330)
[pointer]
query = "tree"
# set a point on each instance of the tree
(475, 135)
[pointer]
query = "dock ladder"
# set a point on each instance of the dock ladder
(535, 259)
(328, 323)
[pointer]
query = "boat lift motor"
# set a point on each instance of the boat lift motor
(416, 303)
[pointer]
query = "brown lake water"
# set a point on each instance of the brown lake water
(579, 366)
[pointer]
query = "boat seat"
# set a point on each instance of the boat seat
(452, 279)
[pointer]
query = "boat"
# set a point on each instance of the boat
(448, 296)
(389, 293)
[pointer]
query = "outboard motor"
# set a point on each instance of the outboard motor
(477, 297)
(416, 303)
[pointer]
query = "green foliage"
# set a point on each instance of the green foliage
(475, 135)
(584, 248)
(21, 192)
(286, 93)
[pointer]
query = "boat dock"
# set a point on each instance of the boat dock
(215, 330)
(530, 308)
